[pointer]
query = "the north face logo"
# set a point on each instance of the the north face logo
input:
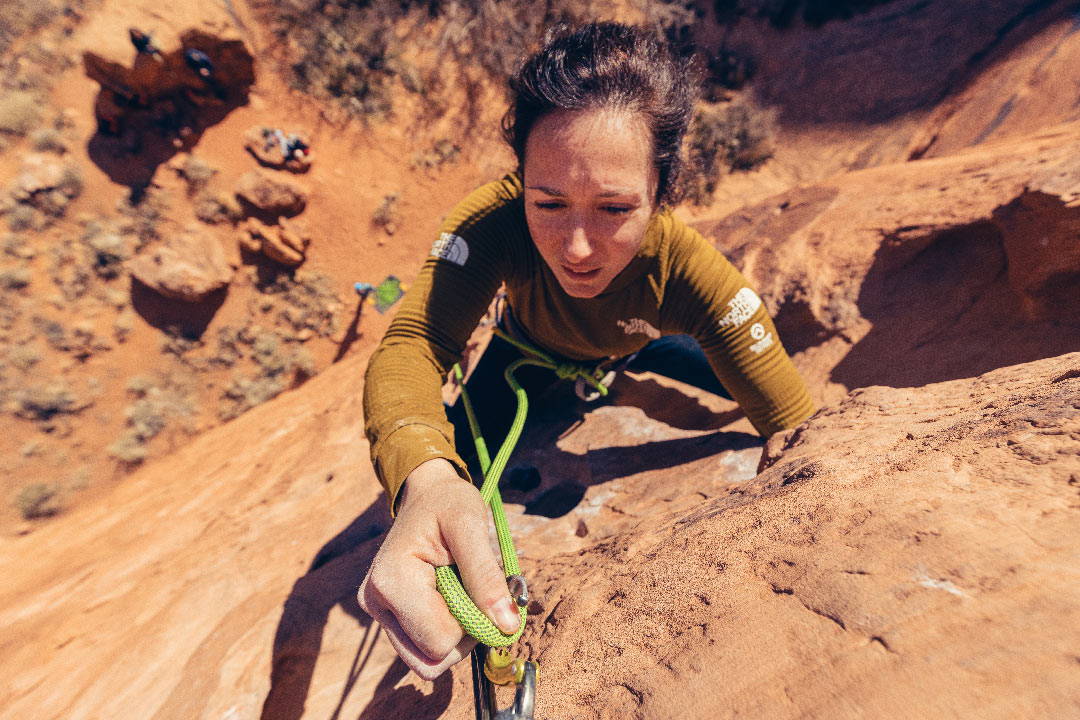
(741, 308)
(451, 247)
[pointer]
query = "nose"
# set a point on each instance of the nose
(577, 248)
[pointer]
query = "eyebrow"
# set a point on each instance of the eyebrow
(556, 193)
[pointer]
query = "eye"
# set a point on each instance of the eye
(548, 205)
(617, 209)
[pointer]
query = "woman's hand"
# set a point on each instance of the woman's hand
(441, 520)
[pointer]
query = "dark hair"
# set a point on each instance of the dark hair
(607, 65)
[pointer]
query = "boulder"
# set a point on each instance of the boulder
(265, 146)
(186, 266)
(270, 194)
(285, 242)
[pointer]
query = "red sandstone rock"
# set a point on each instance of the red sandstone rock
(187, 266)
(271, 194)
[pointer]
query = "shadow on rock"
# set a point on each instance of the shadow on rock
(551, 482)
(163, 102)
(332, 580)
(187, 319)
(943, 308)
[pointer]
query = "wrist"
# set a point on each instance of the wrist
(426, 477)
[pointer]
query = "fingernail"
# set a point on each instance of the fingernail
(506, 617)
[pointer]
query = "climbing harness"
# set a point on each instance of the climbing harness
(492, 663)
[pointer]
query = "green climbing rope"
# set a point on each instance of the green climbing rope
(447, 579)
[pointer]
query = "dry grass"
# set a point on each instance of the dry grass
(725, 138)
(38, 500)
(20, 112)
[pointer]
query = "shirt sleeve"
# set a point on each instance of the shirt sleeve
(404, 417)
(709, 299)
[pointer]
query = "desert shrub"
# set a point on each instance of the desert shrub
(53, 332)
(71, 268)
(24, 357)
(24, 16)
(217, 208)
(280, 366)
(197, 173)
(43, 401)
(386, 216)
(442, 152)
(143, 212)
(14, 278)
(307, 301)
(145, 417)
(17, 246)
(20, 112)
(38, 500)
(722, 139)
(21, 217)
(178, 344)
(48, 140)
(107, 252)
(124, 324)
(156, 403)
(353, 52)
(228, 347)
(129, 448)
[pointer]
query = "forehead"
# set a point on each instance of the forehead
(586, 149)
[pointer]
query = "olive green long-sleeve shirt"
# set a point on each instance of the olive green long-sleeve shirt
(677, 283)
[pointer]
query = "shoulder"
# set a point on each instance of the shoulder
(499, 200)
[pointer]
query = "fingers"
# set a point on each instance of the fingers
(417, 661)
(406, 593)
(481, 575)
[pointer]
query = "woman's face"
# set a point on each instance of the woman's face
(590, 186)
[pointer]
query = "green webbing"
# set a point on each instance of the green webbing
(447, 580)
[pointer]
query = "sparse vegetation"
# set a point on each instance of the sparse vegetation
(281, 366)
(144, 212)
(107, 252)
(48, 140)
(306, 303)
(721, 139)
(20, 112)
(154, 404)
(23, 357)
(14, 278)
(43, 401)
(386, 216)
(197, 173)
(355, 53)
(442, 152)
(217, 208)
(38, 500)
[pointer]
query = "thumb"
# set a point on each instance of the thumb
(481, 574)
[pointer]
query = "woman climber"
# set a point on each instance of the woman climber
(597, 271)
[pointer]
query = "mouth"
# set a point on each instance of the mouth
(580, 274)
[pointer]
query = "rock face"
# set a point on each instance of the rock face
(909, 552)
(187, 266)
(270, 194)
(921, 271)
